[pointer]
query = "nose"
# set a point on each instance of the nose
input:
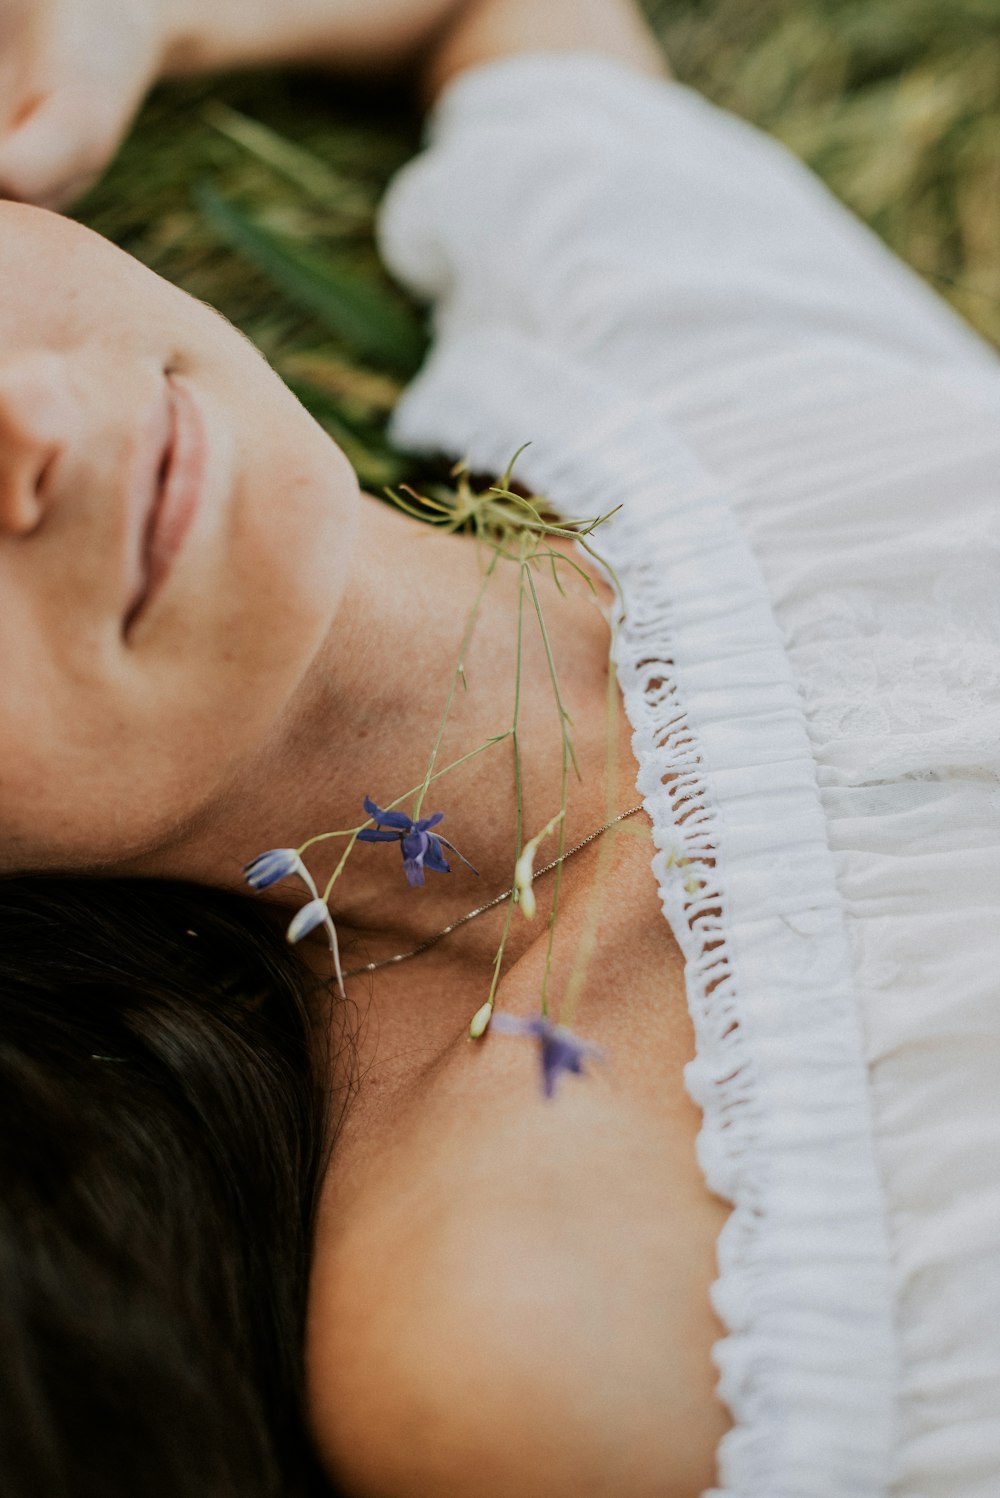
(34, 420)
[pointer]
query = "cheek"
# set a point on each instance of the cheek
(104, 788)
(214, 698)
(121, 749)
(103, 768)
(232, 645)
(276, 561)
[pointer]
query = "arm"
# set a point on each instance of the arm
(487, 30)
(446, 36)
(74, 72)
(370, 35)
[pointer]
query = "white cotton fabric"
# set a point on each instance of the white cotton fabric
(805, 443)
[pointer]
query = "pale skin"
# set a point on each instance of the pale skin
(510, 1297)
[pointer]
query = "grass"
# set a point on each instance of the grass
(258, 193)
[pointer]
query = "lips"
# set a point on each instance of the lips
(170, 498)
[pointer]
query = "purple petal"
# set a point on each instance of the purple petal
(560, 1050)
(415, 845)
(434, 858)
(558, 1057)
(512, 1024)
(396, 819)
(373, 835)
(427, 822)
(387, 818)
(462, 856)
(414, 849)
(268, 868)
(563, 1051)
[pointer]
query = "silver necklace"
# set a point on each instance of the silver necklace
(372, 967)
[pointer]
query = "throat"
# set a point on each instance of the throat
(423, 701)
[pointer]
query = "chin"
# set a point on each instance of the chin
(292, 542)
(320, 503)
(292, 553)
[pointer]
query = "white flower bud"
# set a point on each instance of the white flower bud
(480, 1021)
(524, 869)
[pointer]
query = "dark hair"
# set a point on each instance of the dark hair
(161, 1146)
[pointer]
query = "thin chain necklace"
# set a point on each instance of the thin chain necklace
(372, 967)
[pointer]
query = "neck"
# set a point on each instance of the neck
(366, 718)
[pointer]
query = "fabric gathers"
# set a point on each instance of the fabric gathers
(805, 443)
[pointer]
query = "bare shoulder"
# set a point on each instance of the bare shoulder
(525, 1315)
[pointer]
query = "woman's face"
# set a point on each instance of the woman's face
(174, 539)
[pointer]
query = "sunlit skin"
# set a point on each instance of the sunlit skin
(110, 743)
(73, 72)
(510, 1296)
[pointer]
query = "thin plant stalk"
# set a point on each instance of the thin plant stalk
(587, 944)
(518, 788)
(568, 758)
(353, 834)
(457, 675)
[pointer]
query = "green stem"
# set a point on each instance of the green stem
(321, 837)
(588, 941)
(457, 675)
(518, 786)
(564, 717)
(352, 832)
(568, 758)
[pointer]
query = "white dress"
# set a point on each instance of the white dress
(806, 445)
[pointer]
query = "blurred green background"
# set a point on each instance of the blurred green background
(258, 193)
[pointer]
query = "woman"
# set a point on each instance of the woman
(506, 1297)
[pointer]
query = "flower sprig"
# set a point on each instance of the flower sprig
(558, 1048)
(283, 863)
(521, 529)
(501, 518)
(419, 846)
(276, 864)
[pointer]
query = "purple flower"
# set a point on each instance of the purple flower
(560, 1050)
(268, 868)
(420, 847)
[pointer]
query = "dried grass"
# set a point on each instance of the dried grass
(896, 103)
